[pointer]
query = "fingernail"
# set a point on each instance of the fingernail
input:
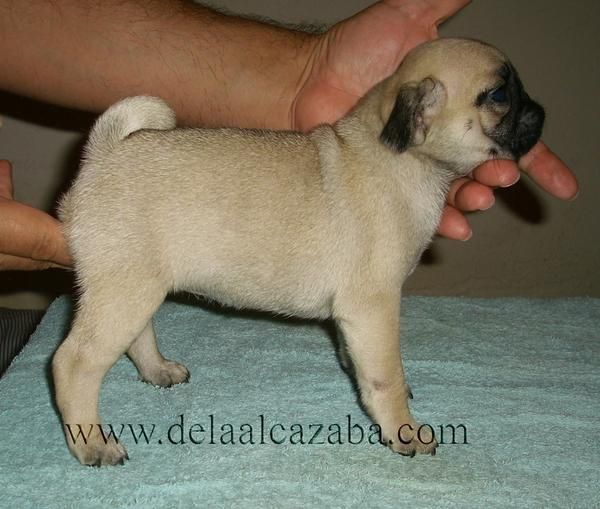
(468, 237)
(513, 182)
(490, 205)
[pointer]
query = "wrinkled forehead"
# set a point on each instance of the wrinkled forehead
(460, 64)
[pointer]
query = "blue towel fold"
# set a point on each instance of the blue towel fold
(522, 378)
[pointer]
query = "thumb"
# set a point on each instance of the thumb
(427, 12)
(448, 8)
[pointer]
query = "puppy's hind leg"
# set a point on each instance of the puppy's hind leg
(111, 315)
(151, 365)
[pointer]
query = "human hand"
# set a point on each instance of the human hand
(470, 194)
(359, 52)
(29, 238)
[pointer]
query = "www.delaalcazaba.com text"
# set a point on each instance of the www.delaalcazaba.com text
(263, 432)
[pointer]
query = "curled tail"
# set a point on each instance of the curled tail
(114, 125)
(125, 117)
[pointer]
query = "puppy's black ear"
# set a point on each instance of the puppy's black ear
(415, 108)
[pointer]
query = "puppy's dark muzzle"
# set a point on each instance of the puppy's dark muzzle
(528, 128)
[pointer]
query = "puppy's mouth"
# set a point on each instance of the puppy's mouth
(498, 152)
(521, 126)
(528, 128)
(518, 131)
(495, 153)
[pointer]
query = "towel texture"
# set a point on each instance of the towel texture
(522, 377)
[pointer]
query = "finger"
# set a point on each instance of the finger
(6, 184)
(30, 233)
(467, 195)
(454, 225)
(549, 172)
(10, 262)
(497, 173)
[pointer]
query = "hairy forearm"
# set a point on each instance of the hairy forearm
(213, 69)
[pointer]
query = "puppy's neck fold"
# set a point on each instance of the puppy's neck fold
(420, 166)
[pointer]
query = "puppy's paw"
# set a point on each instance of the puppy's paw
(99, 451)
(167, 374)
(412, 438)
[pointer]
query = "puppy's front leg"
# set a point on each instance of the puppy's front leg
(371, 330)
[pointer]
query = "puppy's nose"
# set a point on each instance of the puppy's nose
(528, 129)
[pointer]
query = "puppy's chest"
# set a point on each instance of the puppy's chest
(426, 212)
(405, 225)
(413, 214)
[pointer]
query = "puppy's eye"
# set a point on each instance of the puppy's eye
(499, 95)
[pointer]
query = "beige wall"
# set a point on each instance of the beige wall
(529, 244)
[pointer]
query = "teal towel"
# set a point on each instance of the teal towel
(521, 376)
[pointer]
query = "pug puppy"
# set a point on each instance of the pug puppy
(324, 224)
